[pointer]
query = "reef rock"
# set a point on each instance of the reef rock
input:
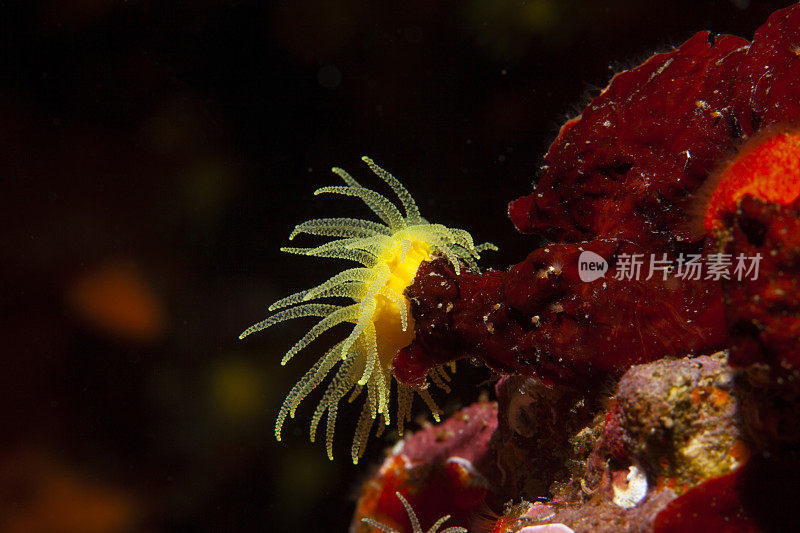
(441, 470)
(637, 400)
(625, 181)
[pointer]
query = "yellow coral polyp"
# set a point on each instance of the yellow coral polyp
(415, 525)
(390, 254)
(394, 327)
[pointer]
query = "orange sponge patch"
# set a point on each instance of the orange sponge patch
(768, 168)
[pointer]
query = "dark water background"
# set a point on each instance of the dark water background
(155, 155)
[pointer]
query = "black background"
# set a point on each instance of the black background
(183, 141)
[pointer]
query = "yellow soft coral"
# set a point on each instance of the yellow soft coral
(390, 253)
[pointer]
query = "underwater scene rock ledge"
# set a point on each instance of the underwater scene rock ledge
(647, 355)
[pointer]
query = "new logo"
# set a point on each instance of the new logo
(591, 266)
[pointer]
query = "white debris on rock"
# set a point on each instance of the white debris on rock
(547, 528)
(633, 490)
